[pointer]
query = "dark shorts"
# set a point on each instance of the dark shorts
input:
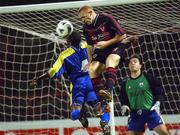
(102, 54)
(137, 120)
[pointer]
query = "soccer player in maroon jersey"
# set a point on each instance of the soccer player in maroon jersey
(108, 40)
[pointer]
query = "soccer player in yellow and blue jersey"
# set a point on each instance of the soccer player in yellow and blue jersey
(73, 61)
(141, 95)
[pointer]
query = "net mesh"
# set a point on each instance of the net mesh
(27, 50)
(135, 18)
(160, 53)
(22, 58)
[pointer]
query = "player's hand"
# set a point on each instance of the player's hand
(100, 45)
(156, 107)
(34, 82)
(86, 67)
(125, 110)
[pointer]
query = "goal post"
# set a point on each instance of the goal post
(137, 17)
(69, 5)
(29, 47)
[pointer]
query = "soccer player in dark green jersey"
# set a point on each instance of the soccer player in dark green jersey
(141, 95)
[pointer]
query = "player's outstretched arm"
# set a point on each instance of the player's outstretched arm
(104, 44)
(130, 39)
(90, 52)
(36, 80)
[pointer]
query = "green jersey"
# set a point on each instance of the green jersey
(139, 93)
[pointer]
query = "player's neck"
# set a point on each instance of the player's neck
(135, 74)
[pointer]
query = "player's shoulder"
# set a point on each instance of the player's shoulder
(105, 15)
(83, 44)
(68, 51)
(148, 75)
(124, 80)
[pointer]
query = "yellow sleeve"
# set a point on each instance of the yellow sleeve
(58, 65)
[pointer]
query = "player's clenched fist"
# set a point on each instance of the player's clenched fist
(34, 82)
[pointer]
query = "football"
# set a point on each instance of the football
(64, 28)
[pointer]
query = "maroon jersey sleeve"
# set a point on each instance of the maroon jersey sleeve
(87, 37)
(114, 24)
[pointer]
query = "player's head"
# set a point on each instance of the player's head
(74, 39)
(135, 63)
(87, 14)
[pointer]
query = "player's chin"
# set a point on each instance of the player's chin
(134, 70)
(88, 22)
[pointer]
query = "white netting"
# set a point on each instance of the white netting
(137, 18)
(22, 58)
(28, 48)
(161, 54)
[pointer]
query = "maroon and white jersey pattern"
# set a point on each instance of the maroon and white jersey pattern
(104, 28)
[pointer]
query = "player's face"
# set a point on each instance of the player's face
(134, 65)
(87, 16)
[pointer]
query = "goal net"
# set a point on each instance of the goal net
(29, 46)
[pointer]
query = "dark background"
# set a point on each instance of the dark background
(22, 55)
(26, 2)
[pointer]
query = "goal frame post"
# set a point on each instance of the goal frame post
(67, 5)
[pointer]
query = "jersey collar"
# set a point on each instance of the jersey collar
(136, 77)
(95, 20)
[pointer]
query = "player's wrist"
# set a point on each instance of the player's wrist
(43, 76)
(125, 110)
(156, 107)
(158, 103)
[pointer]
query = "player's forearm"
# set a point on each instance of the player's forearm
(116, 39)
(43, 76)
(90, 51)
(36, 80)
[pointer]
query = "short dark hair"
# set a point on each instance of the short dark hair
(74, 38)
(136, 56)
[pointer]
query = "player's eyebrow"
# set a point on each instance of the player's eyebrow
(86, 14)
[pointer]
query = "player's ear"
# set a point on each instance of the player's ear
(142, 66)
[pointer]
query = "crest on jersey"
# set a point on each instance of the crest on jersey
(102, 28)
(141, 84)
